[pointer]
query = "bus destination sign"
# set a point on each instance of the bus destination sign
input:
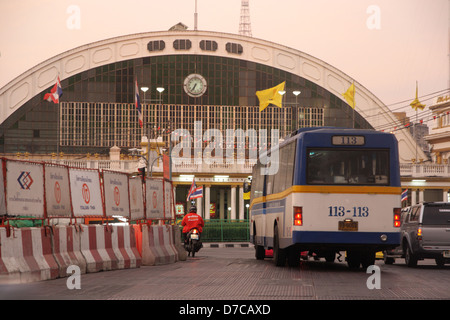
(348, 140)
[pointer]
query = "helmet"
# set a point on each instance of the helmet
(193, 209)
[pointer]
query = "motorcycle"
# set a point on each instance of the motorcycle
(193, 243)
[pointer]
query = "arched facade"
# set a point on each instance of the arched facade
(99, 78)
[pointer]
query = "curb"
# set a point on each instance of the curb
(227, 245)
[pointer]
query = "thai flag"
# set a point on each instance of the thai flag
(198, 193)
(137, 102)
(194, 191)
(404, 195)
(55, 93)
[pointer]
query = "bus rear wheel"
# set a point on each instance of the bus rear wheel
(293, 256)
(260, 252)
(353, 259)
(279, 255)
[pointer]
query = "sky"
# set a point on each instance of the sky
(384, 45)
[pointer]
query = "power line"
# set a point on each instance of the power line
(397, 123)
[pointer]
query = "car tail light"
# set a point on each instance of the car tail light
(419, 233)
(298, 216)
(397, 217)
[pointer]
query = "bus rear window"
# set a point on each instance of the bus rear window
(347, 167)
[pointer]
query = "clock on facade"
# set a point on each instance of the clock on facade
(195, 85)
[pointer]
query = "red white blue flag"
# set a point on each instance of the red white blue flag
(137, 103)
(194, 191)
(404, 195)
(55, 93)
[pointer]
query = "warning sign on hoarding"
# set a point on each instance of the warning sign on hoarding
(25, 188)
(168, 200)
(154, 199)
(85, 191)
(116, 194)
(57, 191)
(136, 199)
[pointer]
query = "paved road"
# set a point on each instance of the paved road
(234, 274)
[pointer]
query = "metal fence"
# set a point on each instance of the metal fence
(218, 230)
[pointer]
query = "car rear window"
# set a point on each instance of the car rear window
(436, 214)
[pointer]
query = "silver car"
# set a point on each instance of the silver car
(425, 234)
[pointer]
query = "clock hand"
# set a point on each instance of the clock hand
(194, 86)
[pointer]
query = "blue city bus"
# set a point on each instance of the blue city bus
(334, 190)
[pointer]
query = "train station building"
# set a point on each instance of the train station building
(193, 83)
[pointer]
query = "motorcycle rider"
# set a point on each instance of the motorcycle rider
(190, 221)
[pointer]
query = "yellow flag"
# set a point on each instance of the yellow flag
(416, 103)
(270, 96)
(349, 96)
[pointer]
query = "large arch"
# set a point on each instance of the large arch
(39, 78)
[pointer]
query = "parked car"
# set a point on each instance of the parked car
(425, 234)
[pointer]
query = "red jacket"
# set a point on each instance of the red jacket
(192, 220)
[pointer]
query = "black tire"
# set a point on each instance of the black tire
(353, 259)
(388, 260)
(367, 259)
(293, 256)
(410, 258)
(440, 262)
(192, 247)
(330, 256)
(260, 252)
(279, 255)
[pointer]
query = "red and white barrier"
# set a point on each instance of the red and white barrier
(124, 246)
(28, 252)
(10, 262)
(182, 254)
(158, 246)
(34, 254)
(96, 247)
(67, 249)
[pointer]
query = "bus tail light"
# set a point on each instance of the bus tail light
(397, 217)
(298, 216)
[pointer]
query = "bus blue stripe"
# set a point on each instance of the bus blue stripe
(323, 237)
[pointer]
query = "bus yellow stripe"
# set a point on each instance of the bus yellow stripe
(329, 189)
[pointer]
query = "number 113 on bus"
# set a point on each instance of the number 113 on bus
(340, 211)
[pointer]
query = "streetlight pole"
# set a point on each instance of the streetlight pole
(160, 90)
(295, 125)
(282, 93)
(144, 89)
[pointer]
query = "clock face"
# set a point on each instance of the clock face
(195, 85)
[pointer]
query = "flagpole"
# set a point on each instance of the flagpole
(354, 117)
(58, 127)
(354, 105)
(415, 124)
(58, 121)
